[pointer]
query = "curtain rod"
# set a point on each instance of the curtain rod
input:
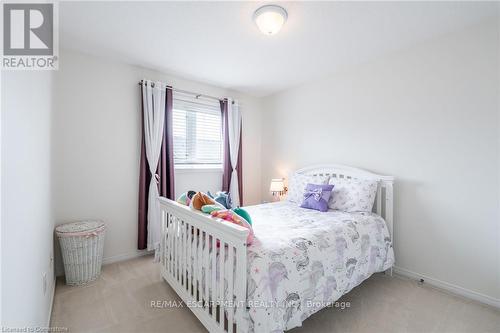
(190, 93)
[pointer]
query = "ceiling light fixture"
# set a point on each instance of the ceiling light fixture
(270, 18)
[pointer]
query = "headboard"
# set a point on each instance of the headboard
(383, 201)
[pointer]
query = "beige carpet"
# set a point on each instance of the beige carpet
(120, 301)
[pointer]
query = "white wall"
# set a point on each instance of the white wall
(427, 115)
(197, 180)
(97, 144)
(27, 219)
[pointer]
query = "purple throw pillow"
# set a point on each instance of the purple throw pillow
(317, 196)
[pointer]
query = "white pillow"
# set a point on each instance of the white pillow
(352, 195)
(297, 185)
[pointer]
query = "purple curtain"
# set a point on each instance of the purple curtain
(226, 160)
(165, 170)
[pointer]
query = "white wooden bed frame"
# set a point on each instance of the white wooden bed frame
(181, 226)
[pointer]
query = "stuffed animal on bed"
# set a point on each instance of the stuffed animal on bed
(185, 198)
(230, 216)
(221, 197)
(200, 199)
(211, 208)
(244, 214)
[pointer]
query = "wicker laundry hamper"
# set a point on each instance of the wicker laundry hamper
(81, 246)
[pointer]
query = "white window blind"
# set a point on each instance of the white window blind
(197, 131)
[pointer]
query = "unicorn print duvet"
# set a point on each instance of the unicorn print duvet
(303, 260)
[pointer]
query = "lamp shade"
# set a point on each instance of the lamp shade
(277, 185)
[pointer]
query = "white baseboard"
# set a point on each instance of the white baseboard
(454, 289)
(51, 301)
(126, 256)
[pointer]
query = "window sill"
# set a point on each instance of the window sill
(187, 168)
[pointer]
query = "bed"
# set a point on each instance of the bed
(300, 261)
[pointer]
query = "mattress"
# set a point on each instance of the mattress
(304, 260)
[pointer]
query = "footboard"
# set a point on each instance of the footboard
(204, 261)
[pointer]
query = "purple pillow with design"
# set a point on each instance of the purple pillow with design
(316, 197)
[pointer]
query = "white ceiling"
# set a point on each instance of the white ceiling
(218, 43)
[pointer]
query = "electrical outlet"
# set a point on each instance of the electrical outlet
(44, 283)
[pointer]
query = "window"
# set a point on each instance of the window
(197, 132)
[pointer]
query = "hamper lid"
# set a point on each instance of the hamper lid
(80, 227)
